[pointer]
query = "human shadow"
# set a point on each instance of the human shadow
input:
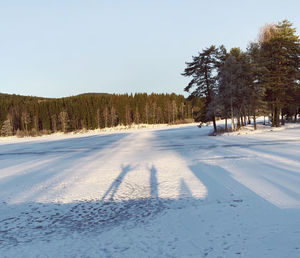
(214, 217)
(112, 190)
(153, 182)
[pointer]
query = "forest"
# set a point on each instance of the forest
(234, 85)
(32, 116)
(241, 85)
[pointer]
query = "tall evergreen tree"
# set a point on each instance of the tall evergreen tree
(7, 129)
(229, 84)
(64, 121)
(256, 86)
(203, 70)
(281, 53)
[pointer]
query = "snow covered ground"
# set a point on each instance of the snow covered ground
(162, 192)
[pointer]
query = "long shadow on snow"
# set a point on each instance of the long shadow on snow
(180, 136)
(52, 168)
(36, 221)
(218, 181)
(59, 146)
(112, 190)
(29, 222)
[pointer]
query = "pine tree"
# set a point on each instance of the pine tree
(154, 109)
(98, 118)
(105, 115)
(86, 111)
(229, 84)
(203, 70)
(7, 129)
(147, 112)
(256, 87)
(280, 53)
(113, 117)
(137, 116)
(54, 123)
(128, 115)
(26, 119)
(174, 110)
(65, 121)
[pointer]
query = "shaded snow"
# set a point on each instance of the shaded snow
(151, 193)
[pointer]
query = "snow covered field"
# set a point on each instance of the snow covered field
(163, 192)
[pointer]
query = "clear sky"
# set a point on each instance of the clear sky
(61, 48)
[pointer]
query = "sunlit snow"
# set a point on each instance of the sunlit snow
(160, 192)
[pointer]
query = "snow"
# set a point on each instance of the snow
(153, 192)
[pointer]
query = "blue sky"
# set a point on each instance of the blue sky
(63, 48)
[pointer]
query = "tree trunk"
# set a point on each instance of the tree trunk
(295, 118)
(249, 120)
(232, 118)
(147, 113)
(98, 118)
(282, 119)
(192, 113)
(264, 121)
(238, 124)
(254, 122)
(242, 120)
(226, 127)
(105, 114)
(232, 124)
(275, 121)
(215, 125)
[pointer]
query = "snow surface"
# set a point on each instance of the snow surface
(161, 192)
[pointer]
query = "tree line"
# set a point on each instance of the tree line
(240, 85)
(24, 115)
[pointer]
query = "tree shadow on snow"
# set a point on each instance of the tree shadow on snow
(56, 164)
(29, 222)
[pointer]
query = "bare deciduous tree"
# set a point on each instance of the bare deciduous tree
(266, 32)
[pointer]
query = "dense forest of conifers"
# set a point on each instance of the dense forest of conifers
(22, 115)
(239, 85)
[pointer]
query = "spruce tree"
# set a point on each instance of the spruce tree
(7, 129)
